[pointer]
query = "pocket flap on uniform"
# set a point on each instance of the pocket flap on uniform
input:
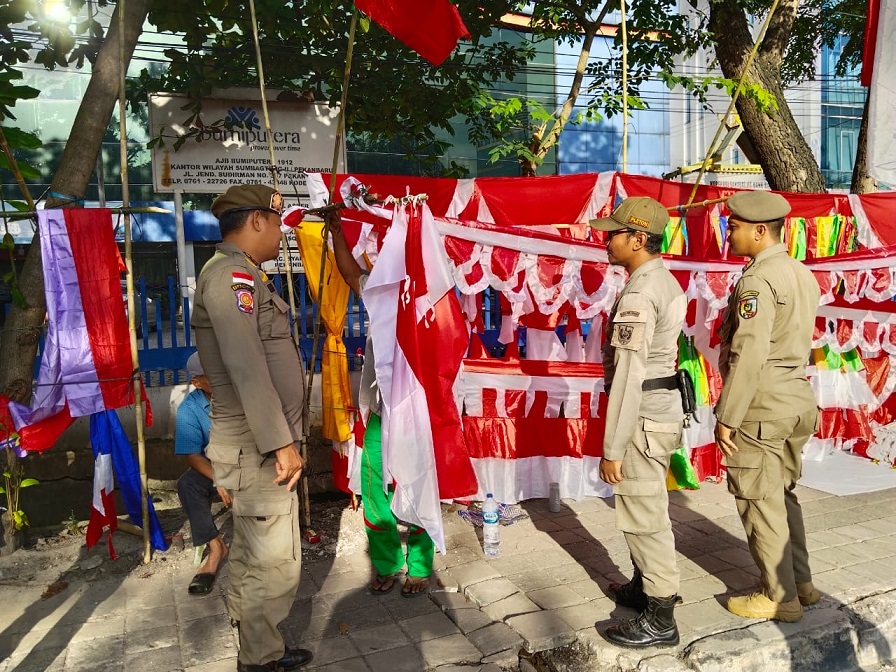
(661, 427)
(261, 506)
(634, 488)
(226, 454)
(744, 460)
(282, 306)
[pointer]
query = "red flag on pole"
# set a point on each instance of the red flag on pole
(871, 22)
(429, 27)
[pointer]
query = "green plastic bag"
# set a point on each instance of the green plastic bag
(682, 469)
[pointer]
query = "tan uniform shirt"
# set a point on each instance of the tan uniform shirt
(642, 344)
(247, 353)
(766, 339)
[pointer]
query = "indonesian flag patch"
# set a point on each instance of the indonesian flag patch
(748, 305)
(243, 286)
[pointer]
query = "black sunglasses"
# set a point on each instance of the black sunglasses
(610, 234)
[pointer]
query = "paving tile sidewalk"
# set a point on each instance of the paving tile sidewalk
(542, 598)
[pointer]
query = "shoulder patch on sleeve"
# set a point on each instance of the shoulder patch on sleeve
(245, 301)
(627, 335)
(748, 305)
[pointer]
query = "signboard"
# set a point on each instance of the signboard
(729, 180)
(278, 265)
(303, 134)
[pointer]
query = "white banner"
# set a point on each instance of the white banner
(303, 134)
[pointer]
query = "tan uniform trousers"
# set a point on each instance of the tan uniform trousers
(642, 505)
(762, 475)
(266, 555)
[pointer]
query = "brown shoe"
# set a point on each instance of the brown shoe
(807, 594)
(758, 605)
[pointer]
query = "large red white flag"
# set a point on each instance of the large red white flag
(429, 27)
(86, 365)
(882, 101)
(419, 339)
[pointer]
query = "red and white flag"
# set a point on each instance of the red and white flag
(102, 511)
(419, 339)
(86, 364)
(429, 27)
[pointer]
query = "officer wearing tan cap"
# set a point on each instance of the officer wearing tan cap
(243, 338)
(766, 411)
(644, 417)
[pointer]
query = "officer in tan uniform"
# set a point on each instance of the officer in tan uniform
(766, 411)
(644, 417)
(243, 337)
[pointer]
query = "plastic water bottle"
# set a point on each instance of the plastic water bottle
(491, 530)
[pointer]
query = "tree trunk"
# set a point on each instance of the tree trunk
(21, 333)
(782, 150)
(862, 182)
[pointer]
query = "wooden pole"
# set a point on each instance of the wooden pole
(129, 262)
(740, 86)
(340, 127)
(304, 499)
(624, 87)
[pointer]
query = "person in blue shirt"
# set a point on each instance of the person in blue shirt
(196, 487)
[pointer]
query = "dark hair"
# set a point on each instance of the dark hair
(232, 221)
(775, 226)
(654, 242)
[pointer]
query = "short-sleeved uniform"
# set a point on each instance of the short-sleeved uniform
(247, 353)
(643, 428)
(766, 339)
(191, 435)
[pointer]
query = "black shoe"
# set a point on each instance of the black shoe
(248, 667)
(654, 627)
(629, 594)
(293, 659)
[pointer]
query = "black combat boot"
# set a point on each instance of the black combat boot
(654, 627)
(629, 594)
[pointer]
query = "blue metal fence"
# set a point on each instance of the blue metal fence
(165, 338)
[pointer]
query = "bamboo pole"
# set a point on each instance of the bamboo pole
(624, 87)
(734, 97)
(30, 214)
(129, 262)
(274, 170)
(304, 499)
(340, 127)
(337, 147)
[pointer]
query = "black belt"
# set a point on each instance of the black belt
(667, 383)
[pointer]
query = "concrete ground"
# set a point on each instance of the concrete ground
(540, 606)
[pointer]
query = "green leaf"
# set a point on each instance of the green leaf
(12, 94)
(28, 482)
(18, 298)
(28, 171)
(19, 519)
(9, 243)
(19, 139)
(2, 490)
(364, 24)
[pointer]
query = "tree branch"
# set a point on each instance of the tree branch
(774, 46)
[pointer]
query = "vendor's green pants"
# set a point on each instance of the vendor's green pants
(382, 528)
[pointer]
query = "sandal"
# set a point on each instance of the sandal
(383, 585)
(415, 586)
(201, 584)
